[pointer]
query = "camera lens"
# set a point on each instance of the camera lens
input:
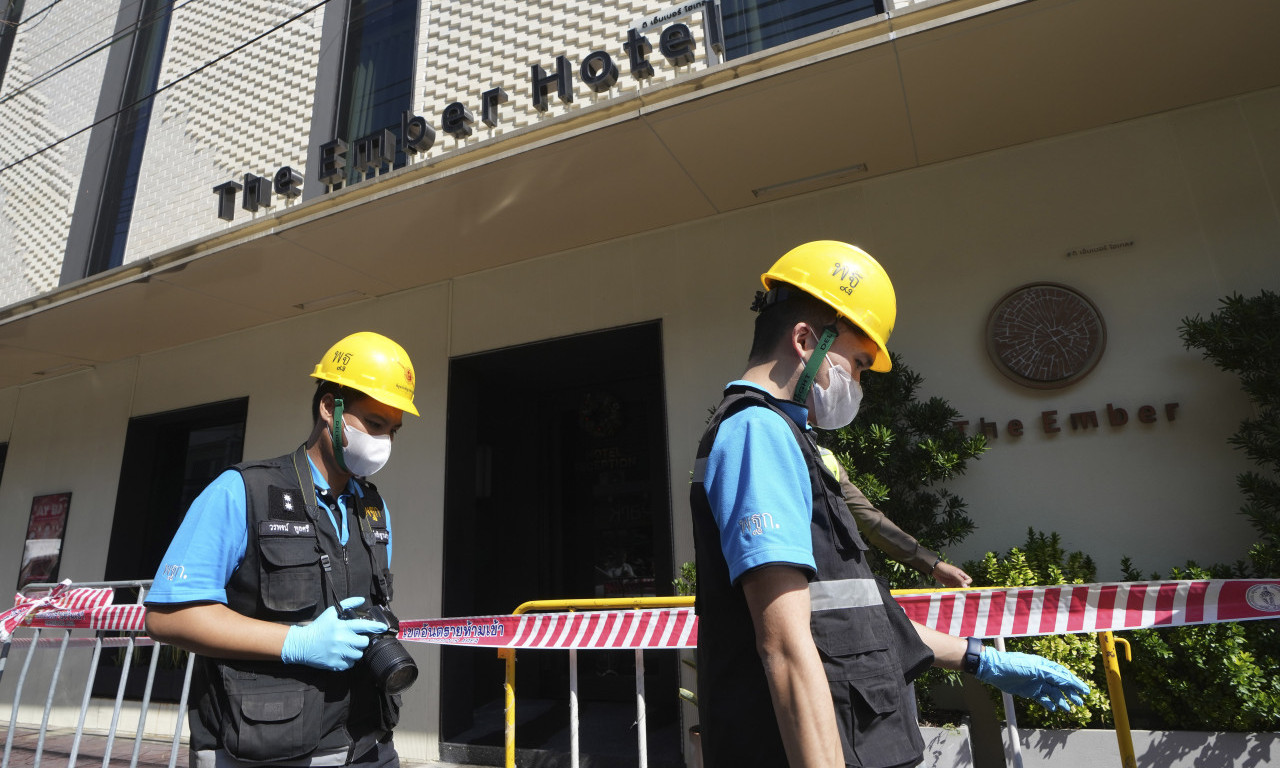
(391, 664)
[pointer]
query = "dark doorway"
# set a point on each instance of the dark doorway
(168, 459)
(557, 487)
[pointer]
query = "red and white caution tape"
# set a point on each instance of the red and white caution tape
(1093, 607)
(648, 628)
(1012, 612)
(61, 601)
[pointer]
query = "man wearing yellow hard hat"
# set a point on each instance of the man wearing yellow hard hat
(279, 578)
(804, 658)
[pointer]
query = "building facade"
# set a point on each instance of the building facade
(561, 210)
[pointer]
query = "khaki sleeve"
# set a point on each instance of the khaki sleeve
(881, 531)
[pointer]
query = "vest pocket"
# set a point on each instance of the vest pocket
(290, 579)
(875, 725)
(269, 717)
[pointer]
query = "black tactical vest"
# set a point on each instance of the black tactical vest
(869, 650)
(294, 567)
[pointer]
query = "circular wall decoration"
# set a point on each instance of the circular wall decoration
(1045, 335)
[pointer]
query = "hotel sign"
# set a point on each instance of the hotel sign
(598, 71)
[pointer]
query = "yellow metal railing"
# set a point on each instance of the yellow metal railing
(1107, 646)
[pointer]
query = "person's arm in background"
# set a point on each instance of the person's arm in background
(883, 534)
(778, 599)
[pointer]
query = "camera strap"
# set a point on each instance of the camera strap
(378, 569)
(313, 513)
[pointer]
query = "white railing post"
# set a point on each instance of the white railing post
(573, 707)
(1010, 720)
(641, 723)
(17, 695)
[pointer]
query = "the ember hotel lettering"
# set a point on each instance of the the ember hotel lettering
(370, 154)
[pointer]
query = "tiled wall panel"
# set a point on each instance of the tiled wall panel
(249, 112)
(50, 93)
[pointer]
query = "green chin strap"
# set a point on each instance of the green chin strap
(815, 362)
(335, 434)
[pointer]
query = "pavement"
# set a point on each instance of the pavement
(58, 743)
(152, 753)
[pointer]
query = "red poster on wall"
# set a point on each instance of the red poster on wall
(42, 551)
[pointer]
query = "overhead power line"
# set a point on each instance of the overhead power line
(96, 48)
(166, 86)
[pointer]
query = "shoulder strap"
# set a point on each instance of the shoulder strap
(308, 487)
(369, 533)
(738, 398)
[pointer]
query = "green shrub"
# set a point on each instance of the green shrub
(1244, 338)
(686, 584)
(1043, 562)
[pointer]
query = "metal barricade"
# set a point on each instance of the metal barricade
(97, 640)
(508, 655)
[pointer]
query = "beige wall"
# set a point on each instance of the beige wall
(1195, 190)
(65, 435)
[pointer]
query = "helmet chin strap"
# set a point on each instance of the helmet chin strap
(335, 434)
(815, 362)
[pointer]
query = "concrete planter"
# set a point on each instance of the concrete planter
(1041, 748)
(1166, 749)
(947, 747)
(943, 747)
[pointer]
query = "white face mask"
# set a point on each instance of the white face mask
(835, 406)
(364, 453)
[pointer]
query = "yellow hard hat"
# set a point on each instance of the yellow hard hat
(373, 364)
(848, 280)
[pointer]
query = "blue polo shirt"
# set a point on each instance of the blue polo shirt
(759, 490)
(211, 541)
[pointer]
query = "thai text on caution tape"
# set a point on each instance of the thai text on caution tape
(645, 628)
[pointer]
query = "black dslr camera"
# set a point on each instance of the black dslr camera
(392, 666)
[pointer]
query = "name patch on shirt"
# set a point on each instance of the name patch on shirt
(381, 536)
(284, 528)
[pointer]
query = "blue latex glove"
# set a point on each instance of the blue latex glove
(330, 642)
(1032, 677)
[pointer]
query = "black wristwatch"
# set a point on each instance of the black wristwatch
(972, 656)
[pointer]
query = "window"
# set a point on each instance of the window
(377, 71)
(168, 459)
(8, 31)
(754, 25)
(115, 211)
